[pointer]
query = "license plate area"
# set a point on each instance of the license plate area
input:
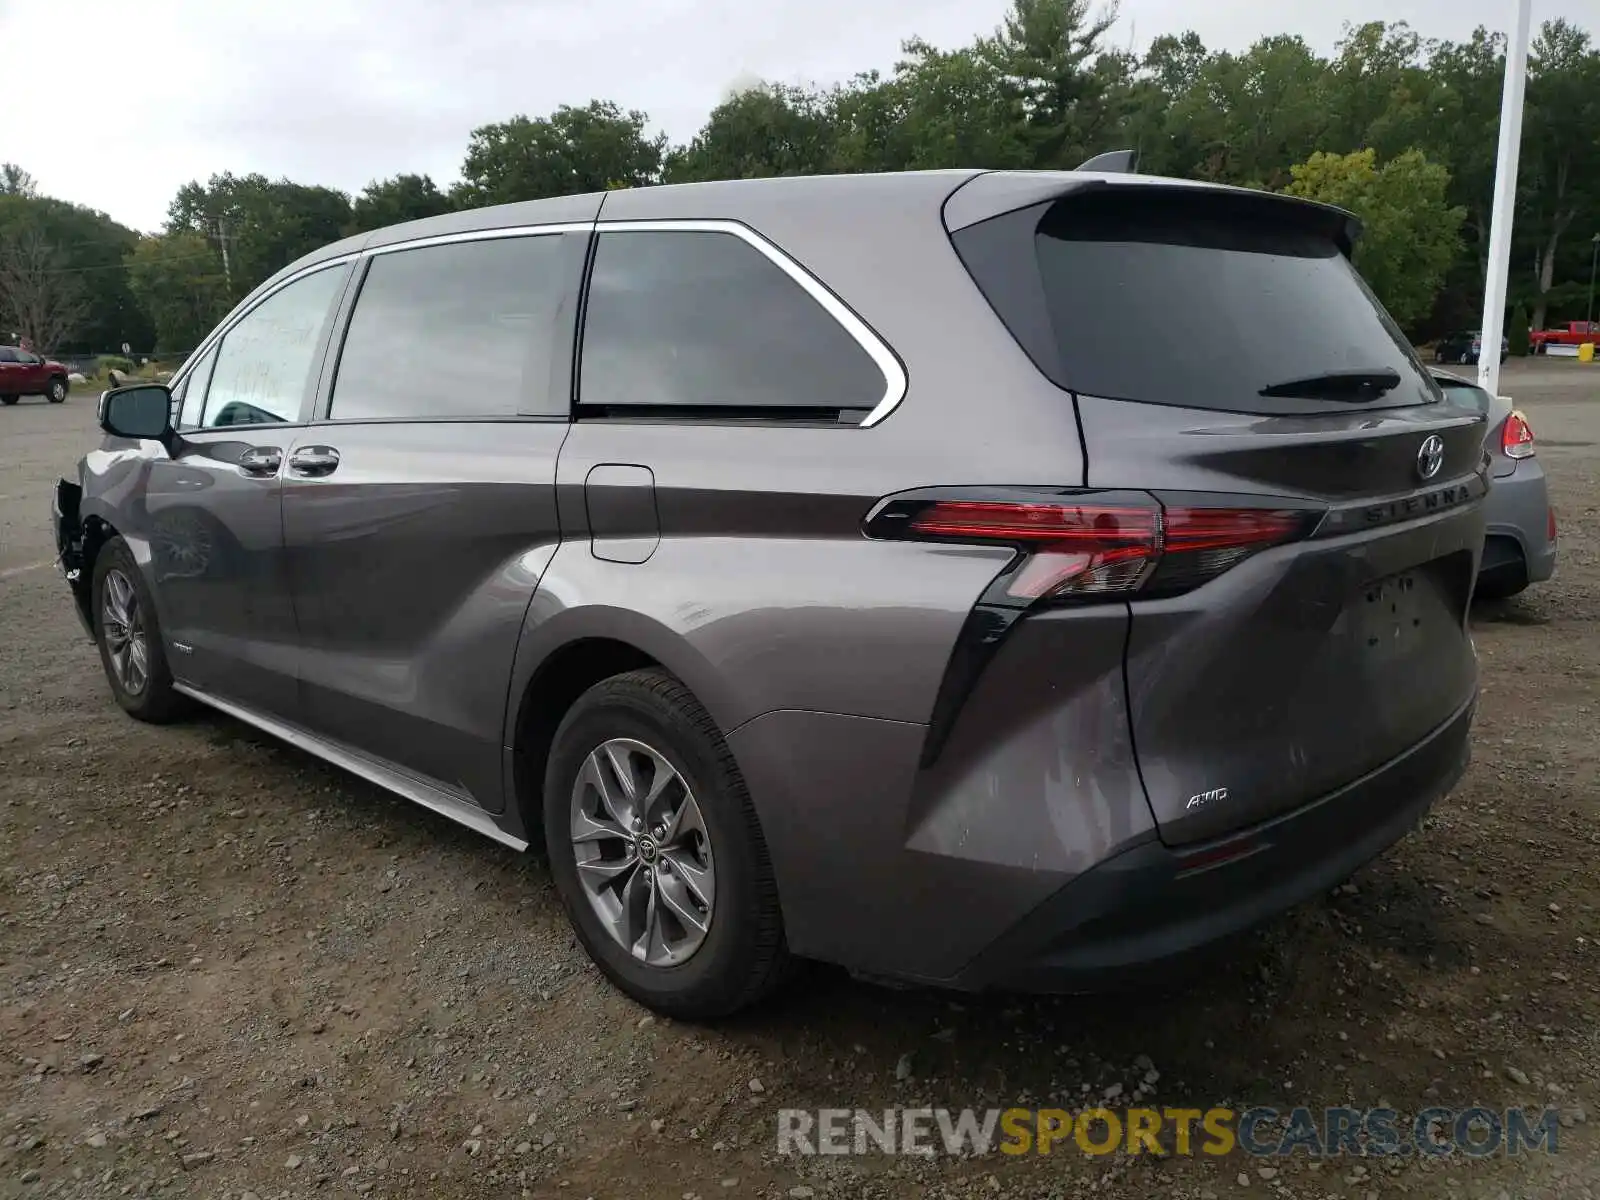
(1395, 614)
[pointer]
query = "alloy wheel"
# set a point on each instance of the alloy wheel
(642, 852)
(122, 623)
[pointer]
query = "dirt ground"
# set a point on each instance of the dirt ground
(229, 971)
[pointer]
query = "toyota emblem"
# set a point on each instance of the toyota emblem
(1430, 456)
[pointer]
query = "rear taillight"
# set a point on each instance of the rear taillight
(1082, 546)
(1517, 439)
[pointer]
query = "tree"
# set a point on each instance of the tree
(14, 181)
(1410, 231)
(39, 296)
(1461, 126)
(1377, 88)
(391, 201)
(1561, 173)
(1071, 91)
(769, 129)
(1517, 335)
(572, 151)
(89, 247)
(178, 278)
(956, 109)
(258, 225)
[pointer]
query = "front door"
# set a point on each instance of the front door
(420, 512)
(214, 515)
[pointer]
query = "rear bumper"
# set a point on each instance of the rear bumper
(1517, 509)
(1135, 916)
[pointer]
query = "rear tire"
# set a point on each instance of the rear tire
(9, 400)
(129, 636)
(734, 953)
(56, 393)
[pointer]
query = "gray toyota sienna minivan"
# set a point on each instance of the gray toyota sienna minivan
(970, 578)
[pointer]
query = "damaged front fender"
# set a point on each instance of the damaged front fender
(70, 546)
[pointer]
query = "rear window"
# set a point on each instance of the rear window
(1179, 298)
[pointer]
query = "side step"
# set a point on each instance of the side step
(446, 803)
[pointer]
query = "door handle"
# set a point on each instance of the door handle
(261, 460)
(314, 461)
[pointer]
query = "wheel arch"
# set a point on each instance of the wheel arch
(561, 658)
(94, 532)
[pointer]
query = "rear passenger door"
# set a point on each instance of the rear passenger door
(419, 508)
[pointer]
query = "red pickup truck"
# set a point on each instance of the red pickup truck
(1575, 334)
(24, 373)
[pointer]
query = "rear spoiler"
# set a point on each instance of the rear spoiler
(995, 193)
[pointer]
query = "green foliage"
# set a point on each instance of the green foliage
(766, 130)
(1410, 231)
(1069, 90)
(572, 151)
(87, 248)
(955, 109)
(1045, 90)
(14, 181)
(178, 278)
(391, 201)
(258, 225)
(1517, 331)
(1560, 176)
(114, 362)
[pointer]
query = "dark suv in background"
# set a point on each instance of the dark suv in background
(827, 567)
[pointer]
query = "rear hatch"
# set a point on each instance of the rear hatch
(1223, 354)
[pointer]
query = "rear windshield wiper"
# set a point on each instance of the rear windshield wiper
(1338, 385)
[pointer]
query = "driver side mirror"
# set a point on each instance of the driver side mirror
(141, 411)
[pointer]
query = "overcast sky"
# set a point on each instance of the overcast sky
(116, 103)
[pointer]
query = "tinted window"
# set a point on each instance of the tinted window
(192, 396)
(265, 361)
(704, 319)
(460, 330)
(7, 354)
(1177, 298)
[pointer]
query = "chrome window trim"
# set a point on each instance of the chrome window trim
(894, 375)
(479, 235)
(888, 363)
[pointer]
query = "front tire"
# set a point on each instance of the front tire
(656, 851)
(129, 637)
(56, 393)
(9, 400)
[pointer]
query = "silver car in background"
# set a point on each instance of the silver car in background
(1519, 545)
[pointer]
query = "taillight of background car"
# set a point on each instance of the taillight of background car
(1517, 439)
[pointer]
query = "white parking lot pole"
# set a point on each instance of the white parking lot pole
(1505, 201)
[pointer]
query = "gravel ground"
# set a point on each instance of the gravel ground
(229, 971)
